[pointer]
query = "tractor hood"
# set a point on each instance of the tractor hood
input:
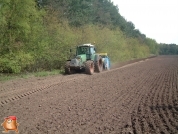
(78, 60)
(81, 57)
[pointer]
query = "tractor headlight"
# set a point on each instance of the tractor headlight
(78, 58)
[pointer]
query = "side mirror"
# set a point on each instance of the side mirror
(95, 49)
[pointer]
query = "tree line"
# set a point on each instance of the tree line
(97, 12)
(37, 34)
(168, 49)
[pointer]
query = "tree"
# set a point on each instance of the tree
(21, 28)
(153, 45)
(168, 49)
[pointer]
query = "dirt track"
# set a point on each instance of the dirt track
(140, 98)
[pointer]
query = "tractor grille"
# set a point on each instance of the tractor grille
(74, 62)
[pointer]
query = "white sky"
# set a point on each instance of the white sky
(157, 19)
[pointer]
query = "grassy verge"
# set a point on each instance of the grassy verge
(6, 77)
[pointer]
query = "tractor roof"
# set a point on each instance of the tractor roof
(86, 45)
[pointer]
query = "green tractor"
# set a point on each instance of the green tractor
(86, 59)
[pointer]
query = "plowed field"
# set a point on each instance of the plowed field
(138, 98)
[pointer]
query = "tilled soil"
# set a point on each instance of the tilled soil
(139, 98)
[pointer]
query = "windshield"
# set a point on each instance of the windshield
(83, 50)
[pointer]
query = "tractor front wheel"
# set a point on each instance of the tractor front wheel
(89, 67)
(67, 68)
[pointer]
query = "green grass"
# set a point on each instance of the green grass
(6, 77)
(47, 73)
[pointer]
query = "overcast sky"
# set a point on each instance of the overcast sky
(157, 19)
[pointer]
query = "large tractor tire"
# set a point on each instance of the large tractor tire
(67, 68)
(98, 64)
(89, 67)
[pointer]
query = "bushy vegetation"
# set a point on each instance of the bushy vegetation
(37, 35)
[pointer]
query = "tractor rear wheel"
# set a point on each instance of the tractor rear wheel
(99, 65)
(67, 68)
(89, 67)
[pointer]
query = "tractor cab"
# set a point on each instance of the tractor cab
(86, 50)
